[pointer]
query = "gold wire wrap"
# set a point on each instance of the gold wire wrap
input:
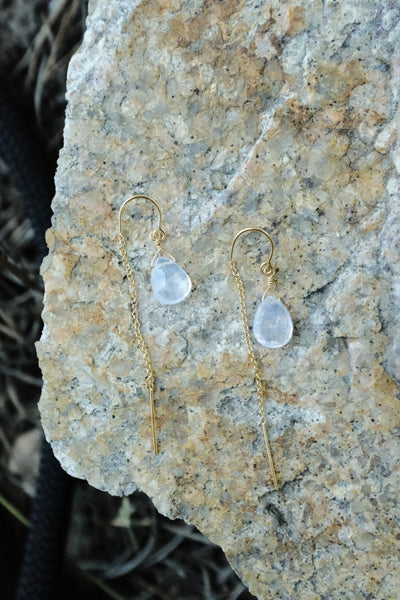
(158, 236)
(268, 271)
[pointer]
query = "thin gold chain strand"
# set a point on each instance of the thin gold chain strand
(257, 372)
(140, 339)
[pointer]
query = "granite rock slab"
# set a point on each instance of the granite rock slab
(280, 115)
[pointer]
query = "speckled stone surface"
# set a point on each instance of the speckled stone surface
(282, 115)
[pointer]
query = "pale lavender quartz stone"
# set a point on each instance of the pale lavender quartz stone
(272, 325)
(170, 283)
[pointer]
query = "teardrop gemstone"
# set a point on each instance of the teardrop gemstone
(170, 283)
(272, 325)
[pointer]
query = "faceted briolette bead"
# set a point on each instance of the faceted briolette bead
(272, 325)
(170, 283)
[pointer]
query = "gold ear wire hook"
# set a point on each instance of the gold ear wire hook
(247, 230)
(158, 237)
(266, 268)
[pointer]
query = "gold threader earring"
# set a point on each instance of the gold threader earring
(170, 285)
(272, 327)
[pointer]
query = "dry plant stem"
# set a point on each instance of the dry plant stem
(257, 372)
(14, 511)
(140, 339)
(47, 64)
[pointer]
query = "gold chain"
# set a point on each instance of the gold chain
(257, 372)
(139, 337)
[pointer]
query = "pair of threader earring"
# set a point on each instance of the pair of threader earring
(272, 326)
